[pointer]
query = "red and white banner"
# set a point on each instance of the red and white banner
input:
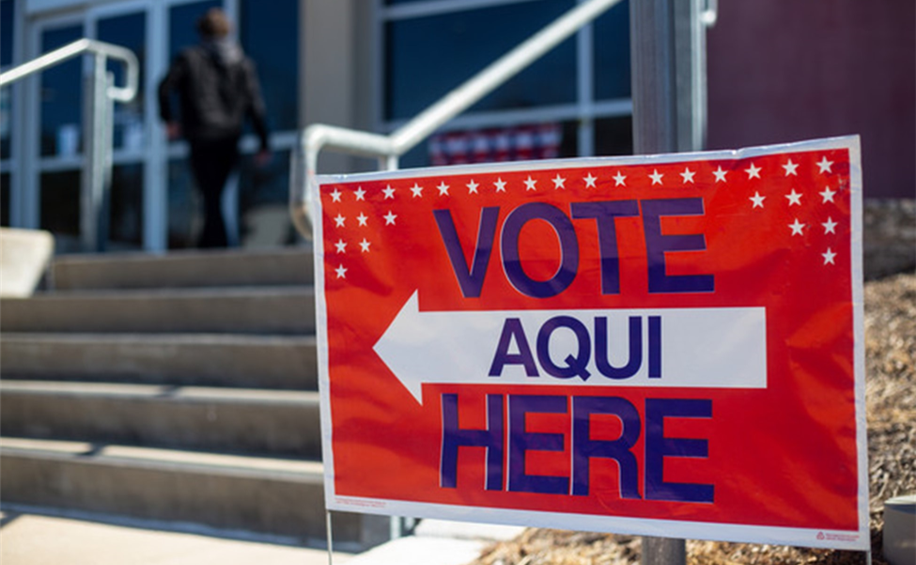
(665, 345)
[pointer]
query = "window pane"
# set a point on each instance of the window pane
(6, 113)
(6, 33)
(269, 32)
(612, 53)
(427, 57)
(5, 199)
(614, 136)
(125, 228)
(128, 31)
(61, 97)
(60, 205)
(263, 203)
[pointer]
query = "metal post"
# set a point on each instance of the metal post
(663, 551)
(107, 144)
(652, 56)
(690, 69)
(98, 136)
(327, 515)
(668, 58)
(667, 54)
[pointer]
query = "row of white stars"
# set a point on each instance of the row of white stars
(793, 197)
(798, 228)
(757, 200)
(559, 182)
(340, 221)
(341, 271)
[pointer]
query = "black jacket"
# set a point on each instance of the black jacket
(215, 95)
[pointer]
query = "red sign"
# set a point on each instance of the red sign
(667, 346)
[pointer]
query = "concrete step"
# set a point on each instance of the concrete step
(216, 419)
(280, 497)
(276, 310)
(192, 268)
(243, 361)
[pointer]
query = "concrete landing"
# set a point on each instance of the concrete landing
(32, 539)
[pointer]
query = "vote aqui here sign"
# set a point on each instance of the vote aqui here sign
(664, 345)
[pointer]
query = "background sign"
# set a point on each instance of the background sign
(667, 346)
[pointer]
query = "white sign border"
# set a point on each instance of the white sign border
(851, 540)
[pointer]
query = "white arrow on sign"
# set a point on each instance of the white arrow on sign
(700, 347)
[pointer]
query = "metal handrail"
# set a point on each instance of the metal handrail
(79, 47)
(390, 147)
(101, 94)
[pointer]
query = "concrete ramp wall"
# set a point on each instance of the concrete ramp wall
(25, 256)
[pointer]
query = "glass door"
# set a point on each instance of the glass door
(58, 146)
(6, 110)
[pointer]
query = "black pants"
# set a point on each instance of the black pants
(211, 162)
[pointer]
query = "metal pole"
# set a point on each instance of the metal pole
(668, 58)
(106, 144)
(93, 125)
(98, 136)
(669, 114)
(327, 515)
(654, 81)
(663, 551)
(690, 70)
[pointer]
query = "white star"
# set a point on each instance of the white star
(443, 189)
(619, 178)
(757, 200)
(720, 174)
(529, 183)
(362, 219)
(341, 246)
(824, 166)
(827, 195)
(364, 245)
(590, 181)
(390, 218)
(656, 177)
(417, 190)
(794, 198)
(687, 175)
(360, 193)
(797, 227)
(790, 168)
(752, 171)
(335, 196)
(500, 185)
(558, 182)
(341, 272)
(829, 226)
(829, 256)
(472, 187)
(389, 192)
(339, 220)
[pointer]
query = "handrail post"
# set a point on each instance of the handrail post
(98, 135)
(100, 93)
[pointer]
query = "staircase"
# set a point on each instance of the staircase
(177, 388)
